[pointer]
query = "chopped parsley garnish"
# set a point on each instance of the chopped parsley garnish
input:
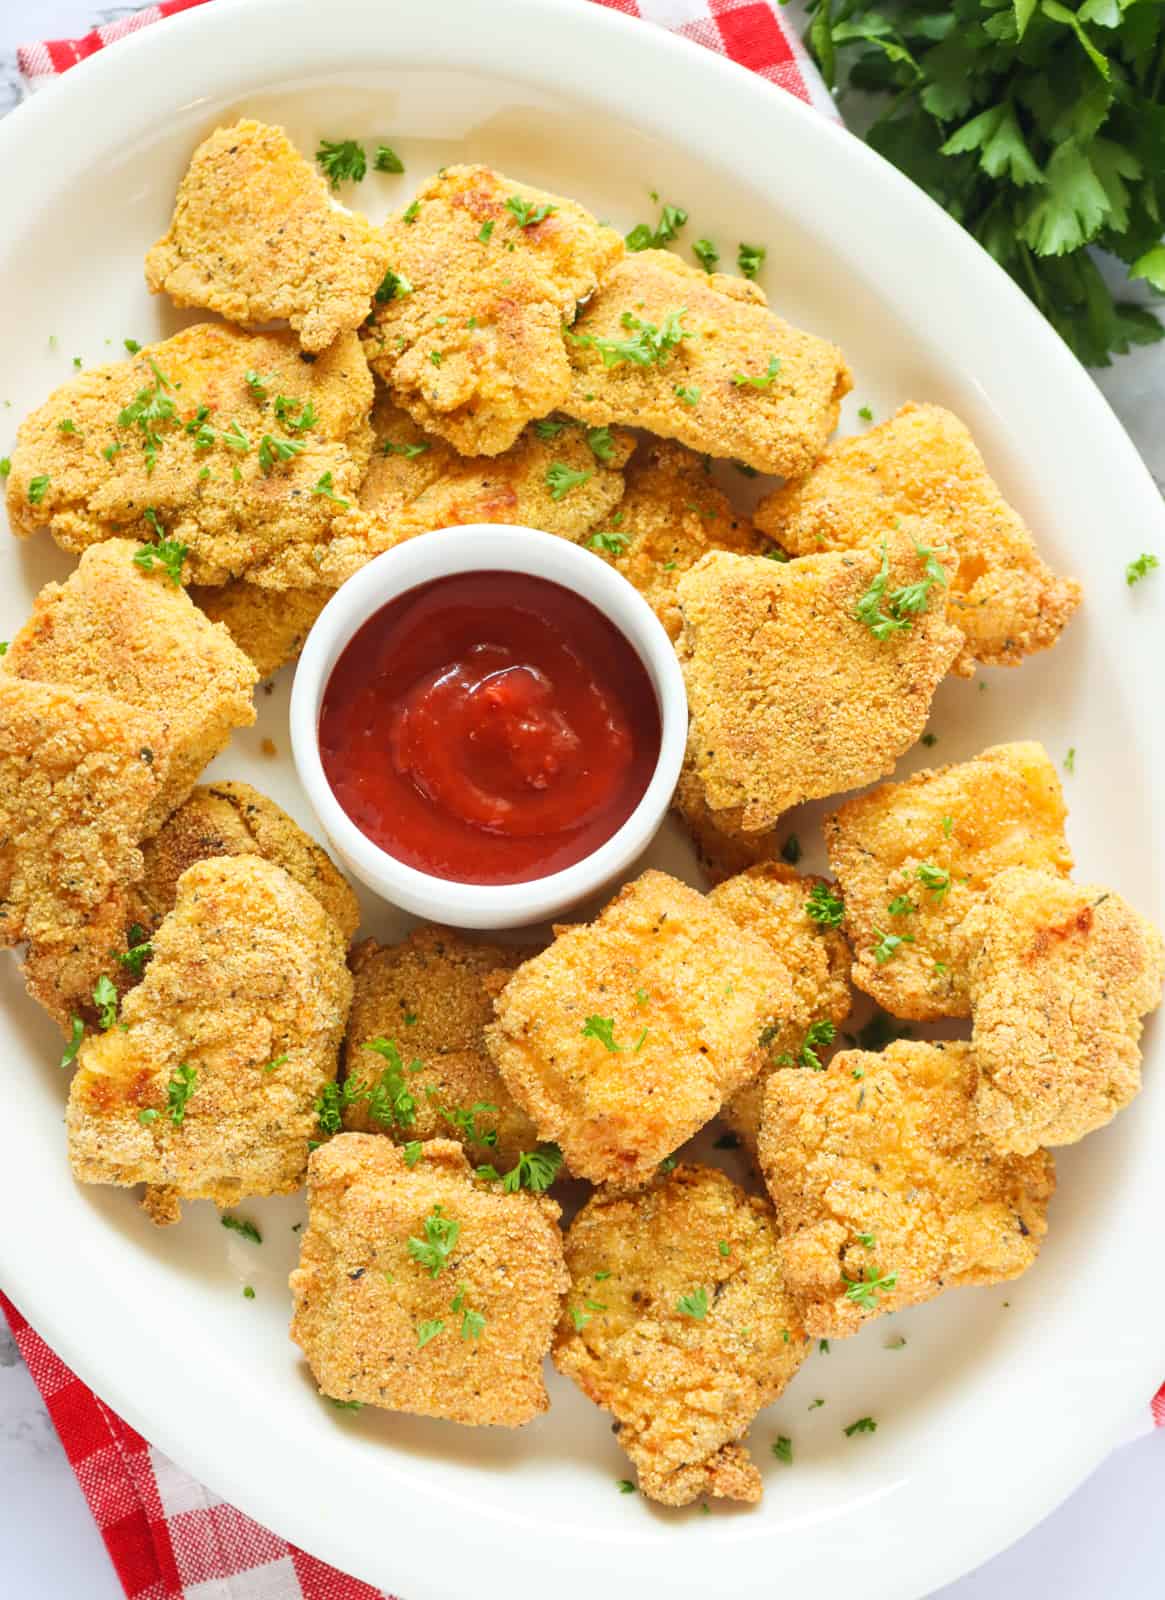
(602, 1029)
(1141, 568)
(791, 850)
(820, 1033)
(428, 1330)
(901, 906)
(867, 1240)
(412, 1152)
(690, 395)
(343, 161)
(273, 449)
(346, 1405)
(465, 1121)
(243, 1226)
(38, 487)
(150, 409)
(668, 1164)
(649, 346)
(5, 466)
(862, 1425)
(146, 1116)
(694, 1304)
(948, 824)
(387, 159)
(436, 357)
(601, 443)
(472, 1324)
(409, 451)
(334, 1099)
(823, 1346)
(929, 740)
(549, 428)
(392, 286)
(169, 554)
(235, 438)
(74, 1044)
(644, 237)
(487, 229)
(561, 479)
(865, 413)
(579, 1317)
(936, 879)
(178, 1091)
(750, 258)
(864, 1291)
(105, 999)
(411, 212)
(764, 381)
(1070, 761)
(132, 346)
(257, 385)
(526, 212)
(824, 907)
(66, 425)
(389, 1099)
(324, 488)
(248, 1292)
(535, 1170)
(296, 415)
(889, 944)
(613, 543)
(813, 1404)
(901, 605)
(277, 1062)
(898, 1343)
(706, 254)
(433, 1251)
(783, 1449)
(724, 1247)
(624, 1486)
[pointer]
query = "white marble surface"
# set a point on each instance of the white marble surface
(1108, 1539)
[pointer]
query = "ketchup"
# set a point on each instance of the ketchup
(489, 728)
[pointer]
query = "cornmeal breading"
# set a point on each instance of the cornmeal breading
(791, 696)
(473, 348)
(670, 516)
(419, 1290)
(428, 995)
(255, 237)
(721, 844)
(268, 625)
(924, 462)
(931, 848)
(623, 1038)
(736, 381)
(233, 819)
(176, 439)
(229, 1038)
(1060, 977)
(887, 1191)
(770, 900)
(116, 629)
(678, 1323)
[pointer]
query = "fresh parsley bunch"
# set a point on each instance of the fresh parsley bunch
(1040, 126)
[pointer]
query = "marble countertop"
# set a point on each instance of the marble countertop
(1109, 1538)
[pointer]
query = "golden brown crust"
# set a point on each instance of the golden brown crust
(780, 426)
(233, 819)
(682, 1388)
(791, 696)
(722, 846)
(491, 309)
(1060, 977)
(769, 900)
(255, 237)
(116, 629)
(361, 1296)
(923, 462)
(687, 993)
(247, 974)
(233, 516)
(887, 1191)
(429, 995)
(969, 823)
(268, 626)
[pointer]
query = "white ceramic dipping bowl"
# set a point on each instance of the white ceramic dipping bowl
(486, 547)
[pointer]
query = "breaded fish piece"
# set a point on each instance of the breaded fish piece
(268, 625)
(792, 697)
(722, 846)
(885, 1188)
(207, 1087)
(115, 628)
(256, 238)
(699, 357)
(559, 477)
(912, 859)
(176, 442)
(670, 515)
(678, 1323)
(419, 1290)
(488, 271)
(233, 819)
(429, 997)
(623, 1038)
(924, 462)
(1060, 975)
(777, 904)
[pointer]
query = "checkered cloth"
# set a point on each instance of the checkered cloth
(169, 1537)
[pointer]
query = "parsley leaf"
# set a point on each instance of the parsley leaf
(824, 907)
(428, 1330)
(178, 1091)
(750, 258)
(644, 237)
(38, 487)
(105, 998)
(527, 212)
(169, 554)
(390, 1101)
(392, 287)
(936, 879)
(434, 1250)
(694, 1305)
(138, 949)
(901, 605)
(889, 944)
(387, 160)
(648, 345)
(764, 381)
(706, 254)
(343, 161)
(613, 543)
(324, 488)
(820, 1033)
(273, 449)
(862, 1425)
(535, 1170)
(601, 443)
(602, 1029)
(70, 1051)
(864, 1291)
(1140, 568)
(243, 1226)
(561, 479)
(783, 1449)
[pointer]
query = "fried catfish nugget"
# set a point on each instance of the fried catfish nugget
(924, 462)
(428, 999)
(670, 515)
(206, 1089)
(623, 1038)
(419, 1290)
(912, 859)
(256, 238)
(233, 819)
(722, 846)
(792, 696)
(118, 629)
(794, 915)
(885, 1188)
(1060, 975)
(235, 445)
(488, 271)
(268, 625)
(700, 358)
(678, 1324)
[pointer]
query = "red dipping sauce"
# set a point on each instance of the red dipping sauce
(489, 728)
